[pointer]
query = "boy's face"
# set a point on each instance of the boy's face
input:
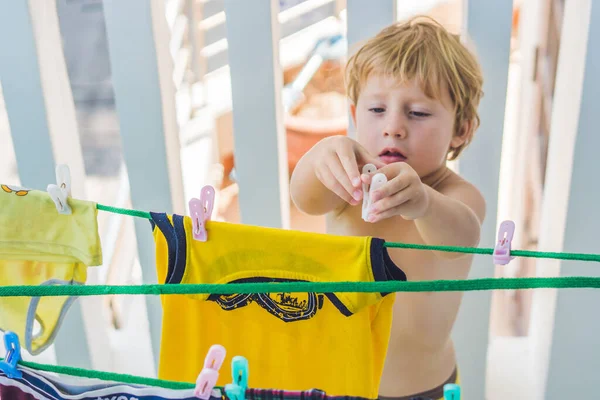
(399, 123)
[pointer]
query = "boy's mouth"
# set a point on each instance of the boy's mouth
(391, 155)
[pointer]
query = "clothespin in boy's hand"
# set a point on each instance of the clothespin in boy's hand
(377, 181)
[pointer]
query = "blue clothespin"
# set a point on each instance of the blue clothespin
(234, 392)
(451, 391)
(13, 355)
(239, 373)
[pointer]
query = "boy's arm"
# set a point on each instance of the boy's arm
(327, 177)
(453, 217)
(307, 192)
(450, 217)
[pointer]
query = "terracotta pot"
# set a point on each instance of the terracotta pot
(323, 112)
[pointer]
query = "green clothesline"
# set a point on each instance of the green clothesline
(451, 249)
(474, 284)
(569, 282)
(108, 376)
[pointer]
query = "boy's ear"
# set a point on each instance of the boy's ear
(353, 113)
(462, 134)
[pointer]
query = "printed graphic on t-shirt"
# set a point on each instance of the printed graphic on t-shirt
(19, 191)
(288, 307)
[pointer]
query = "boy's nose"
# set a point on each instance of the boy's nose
(397, 133)
(395, 126)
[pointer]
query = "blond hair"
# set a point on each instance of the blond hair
(423, 49)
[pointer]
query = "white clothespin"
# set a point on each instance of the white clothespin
(367, 169)
(376, 182)
(62, 190)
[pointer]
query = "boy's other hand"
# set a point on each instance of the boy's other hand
(339, 162)
(403, 194)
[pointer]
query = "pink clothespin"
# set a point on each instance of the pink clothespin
(210, 373)
(501, 254)
(201, 211)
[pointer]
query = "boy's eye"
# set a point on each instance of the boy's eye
(377, 110)
(419, 114)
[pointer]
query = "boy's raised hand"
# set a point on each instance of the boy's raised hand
(403, 194)
(339, 165)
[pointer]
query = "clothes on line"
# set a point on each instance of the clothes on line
(39, 246)
(43, 247)
(334, 341)
(39, 385)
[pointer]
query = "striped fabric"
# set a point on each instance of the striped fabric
(40, 385)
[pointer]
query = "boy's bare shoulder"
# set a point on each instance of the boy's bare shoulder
(457, 187)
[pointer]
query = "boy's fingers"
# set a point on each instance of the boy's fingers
(393, 170)
(395, 200)
(340, 175)
(329, 180)
(389, 188)
(351, 167)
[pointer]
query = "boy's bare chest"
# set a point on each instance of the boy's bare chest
(414, 313)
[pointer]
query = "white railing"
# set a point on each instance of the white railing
(160, 53)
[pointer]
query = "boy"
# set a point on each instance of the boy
(414, 91)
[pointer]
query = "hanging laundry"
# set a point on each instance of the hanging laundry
(39, 385)
(40, 246)
(336, 342)
(19, 382)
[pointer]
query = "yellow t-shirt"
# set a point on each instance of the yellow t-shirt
(335, 342)
(39, 246)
